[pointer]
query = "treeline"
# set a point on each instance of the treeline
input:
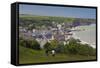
(35, 21)
(73, 46)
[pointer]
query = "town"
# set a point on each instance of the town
(58, 32)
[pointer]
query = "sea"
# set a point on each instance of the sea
(86, 34)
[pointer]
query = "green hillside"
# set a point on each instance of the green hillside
(27, 55)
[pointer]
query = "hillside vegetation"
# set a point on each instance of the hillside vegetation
(38, 21)
(70, 52)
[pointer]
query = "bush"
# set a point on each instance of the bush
(35, 45)
(75, 47)
(85, 49)
(47, 46)
(54, 44)
(71, 49)
(30, 44)
(60, 48)
(22, 42)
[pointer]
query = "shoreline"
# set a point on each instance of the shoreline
(83, 42)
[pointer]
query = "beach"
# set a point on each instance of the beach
(87, 34)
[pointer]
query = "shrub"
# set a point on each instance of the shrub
(75, 47)
(60, 48)
(72, 46)
(54, 43)
(22, 42)
(33, 44)
(71, 49)
(47, 46)
(85, 49)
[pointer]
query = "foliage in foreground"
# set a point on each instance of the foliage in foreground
(33, 44)
(73, 47)
(27, 55)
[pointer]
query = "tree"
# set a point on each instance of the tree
(54, 43)
(47, 46)
(72, 47)
(60, 48)
(35, 45)
(85, 49)
(22, 42)
(75, 47)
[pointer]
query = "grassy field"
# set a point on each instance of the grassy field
(27, 55)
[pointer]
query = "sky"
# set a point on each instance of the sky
(74, 12)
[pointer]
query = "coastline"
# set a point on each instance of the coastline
(76, 36)
(84, 42)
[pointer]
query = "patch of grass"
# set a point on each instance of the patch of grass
(27, 55)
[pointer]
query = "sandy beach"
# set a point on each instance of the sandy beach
(86, 34)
